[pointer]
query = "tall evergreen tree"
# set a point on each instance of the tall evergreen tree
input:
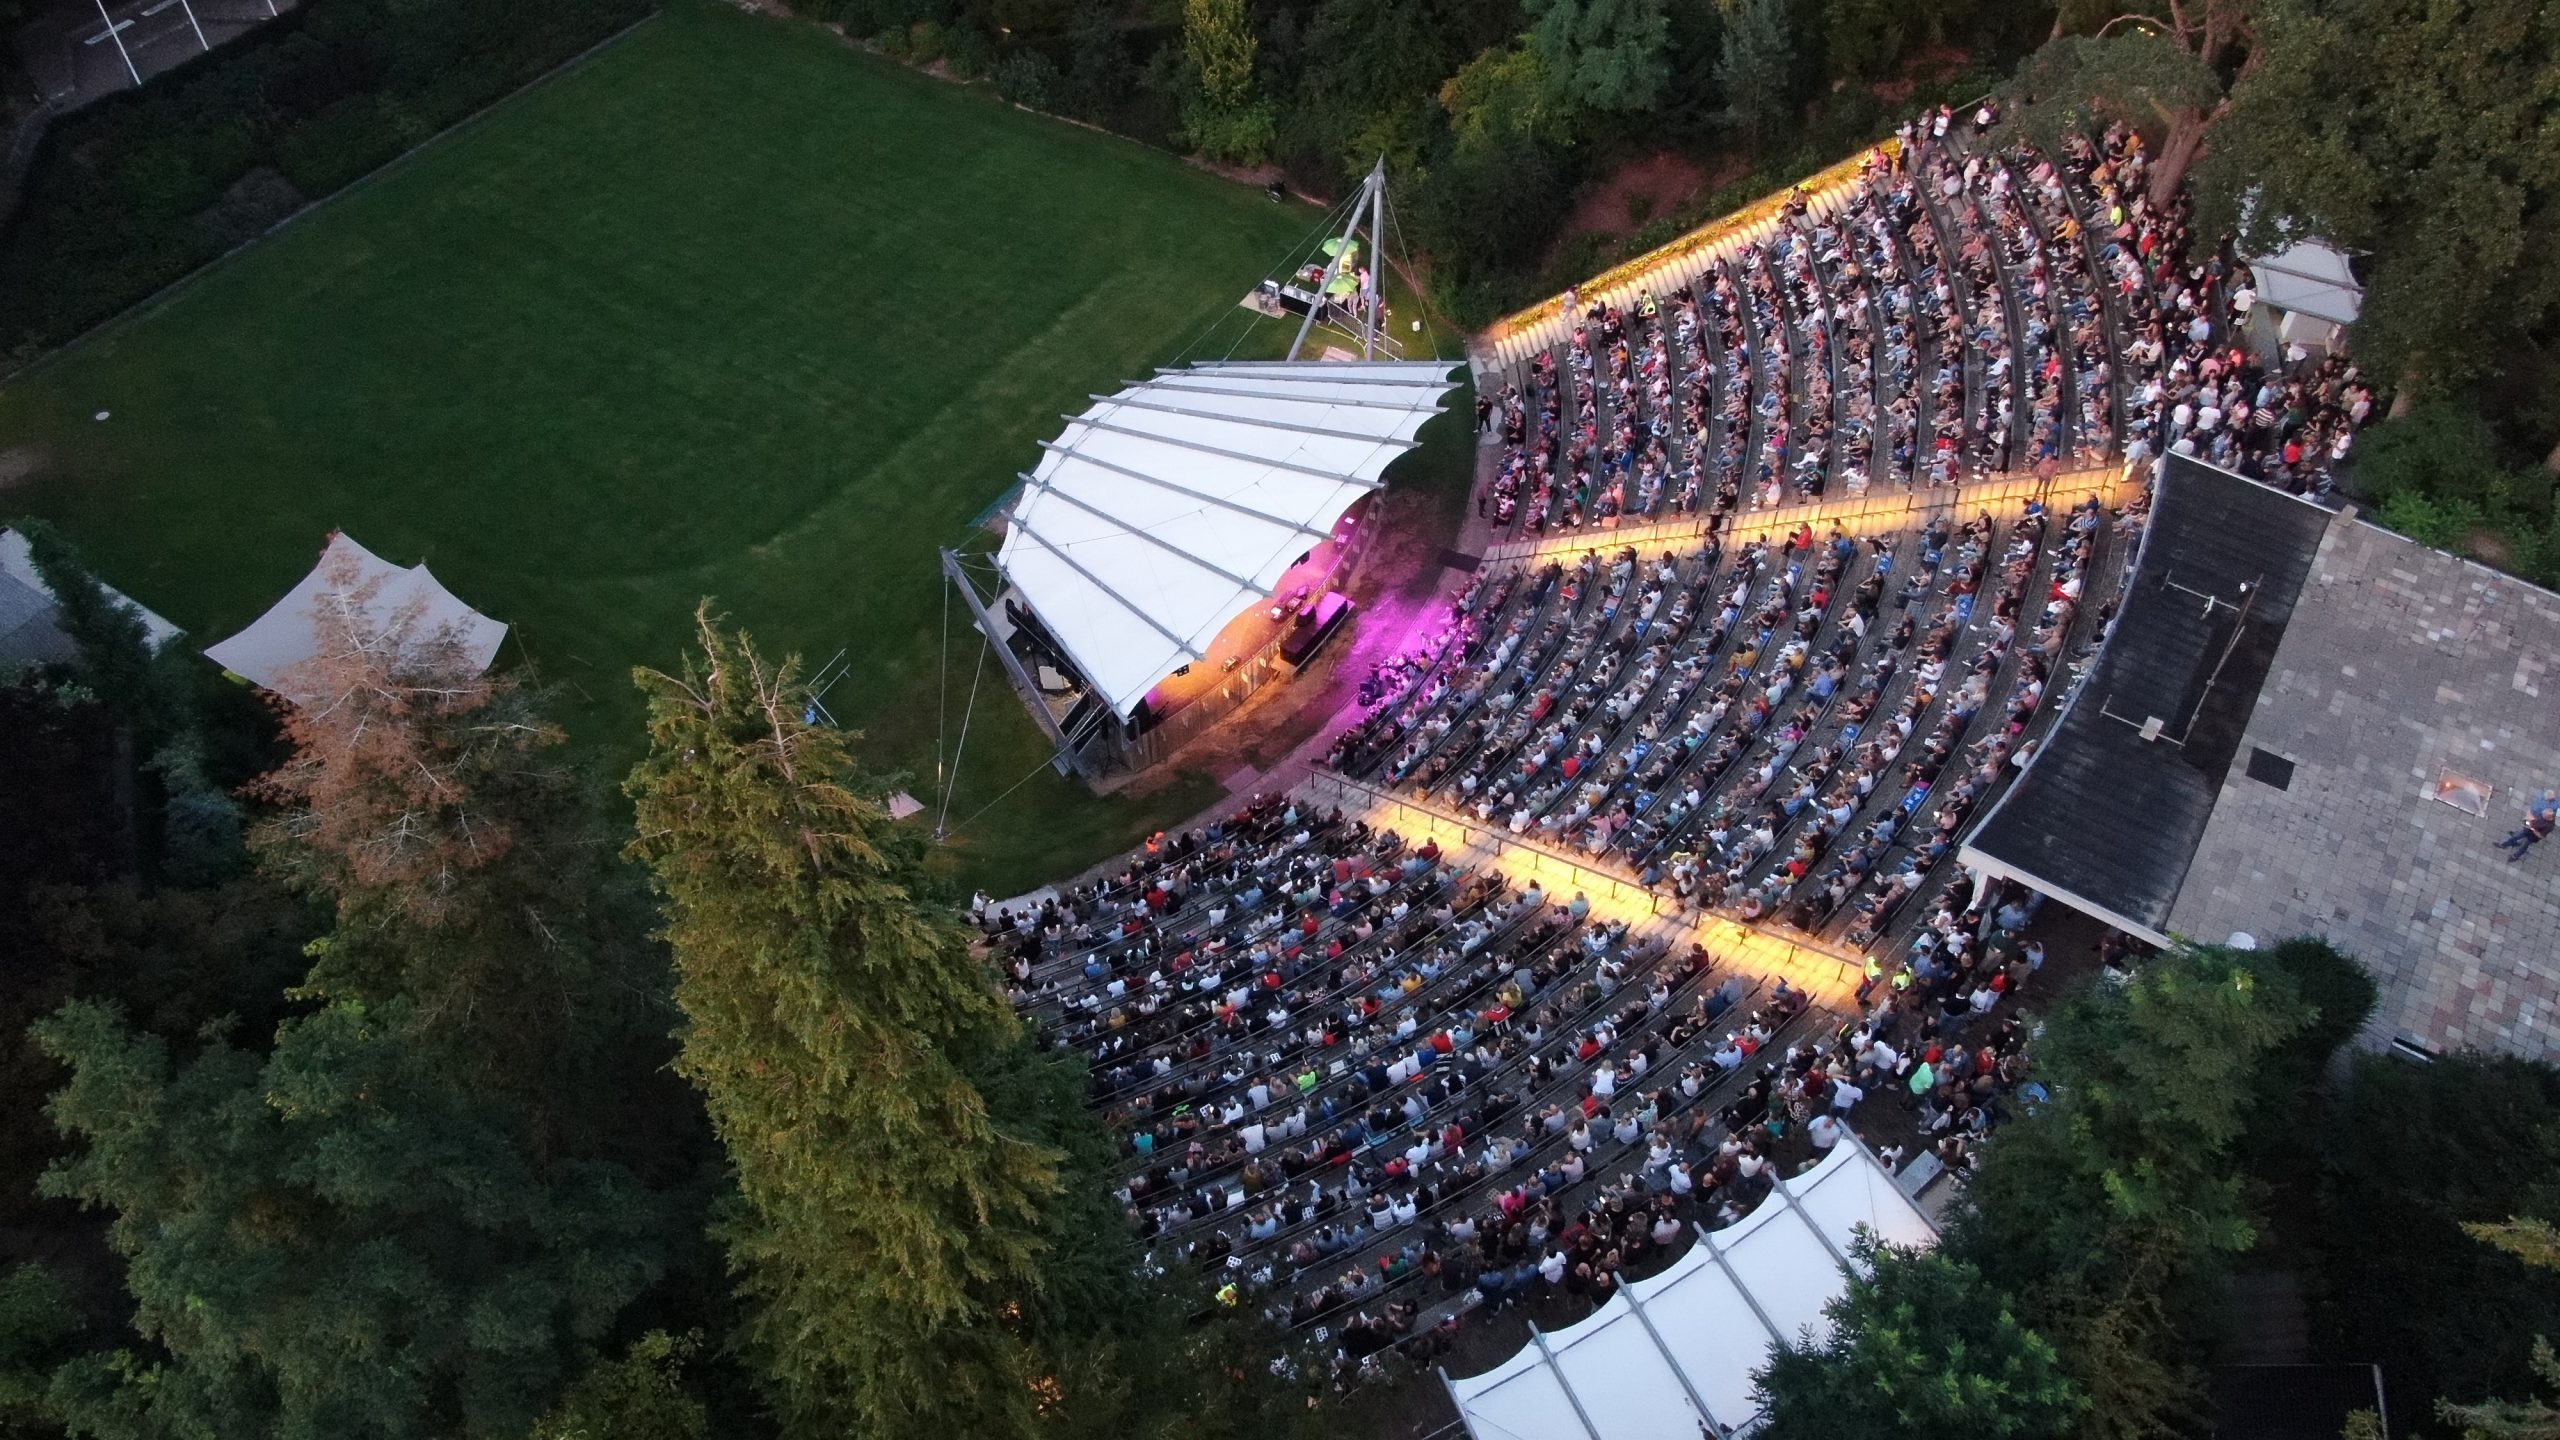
(333, 1242)
(378, 1229)
(886, 1226)
(150, 691)
(145, 687)
(1756, 72)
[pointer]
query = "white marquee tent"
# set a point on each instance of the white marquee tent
(1173, 506)
(1675, 1352)
(2312, 287)
(288, 633)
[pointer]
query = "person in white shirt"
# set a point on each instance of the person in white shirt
(1824, 1131)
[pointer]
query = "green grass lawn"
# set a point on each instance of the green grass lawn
(732, 310)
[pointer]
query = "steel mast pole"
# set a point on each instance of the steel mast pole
(1333, 266)
(1377, 259)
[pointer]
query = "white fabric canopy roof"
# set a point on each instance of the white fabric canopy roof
(288, 634)
(1668, 1353)
(2309, 278)
(1172, 507)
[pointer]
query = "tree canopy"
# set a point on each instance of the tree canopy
(1603, 54)
(2105, 1209)
(2422, 137)
(886, 1228)
(331, 1242)
(1919, 1345)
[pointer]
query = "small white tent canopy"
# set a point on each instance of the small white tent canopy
(2313, 287)
(1175, 505)
(288, 633)
(1670, 1354)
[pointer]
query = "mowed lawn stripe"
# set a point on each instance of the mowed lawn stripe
(732, 309)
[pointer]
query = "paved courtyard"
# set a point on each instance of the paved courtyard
(2404, 671)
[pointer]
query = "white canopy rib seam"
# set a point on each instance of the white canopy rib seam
(1116, 400)
(1050, 488)
(1160, 482)
(1222, 453)
(1266, 370)
(1677, 1369)
(1022, 526)
(1563, 1383)
(1173, 381)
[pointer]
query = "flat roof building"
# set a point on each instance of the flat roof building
(2303, 724)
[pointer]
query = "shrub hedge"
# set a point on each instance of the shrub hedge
(133, 192)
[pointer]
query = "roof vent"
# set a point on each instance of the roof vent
(2268, 768)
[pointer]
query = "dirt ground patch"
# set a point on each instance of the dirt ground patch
(1639, 190)
(19, 463)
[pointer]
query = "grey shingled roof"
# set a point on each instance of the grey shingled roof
(2110, 821)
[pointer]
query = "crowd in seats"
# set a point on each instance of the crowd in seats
(1370, 1089)
(1550, 1110)
(1782, 735)
(2060, 313)
(2288, 424)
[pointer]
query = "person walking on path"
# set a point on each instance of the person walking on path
(2539, 818)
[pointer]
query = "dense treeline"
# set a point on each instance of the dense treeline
(1493, 114)
(2193, 1125)
(357, 1088)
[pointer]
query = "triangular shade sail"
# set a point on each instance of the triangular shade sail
(288, 633)
(1672, 1354)
(1171, 507)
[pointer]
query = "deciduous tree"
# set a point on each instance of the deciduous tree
(2121, 1191)
(1224, 118)
(1606, 55)
(1503, 93)
(1756, 71)
(2420, 136)
(1920, 1344)
(640, 1396)
(2161, 80)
